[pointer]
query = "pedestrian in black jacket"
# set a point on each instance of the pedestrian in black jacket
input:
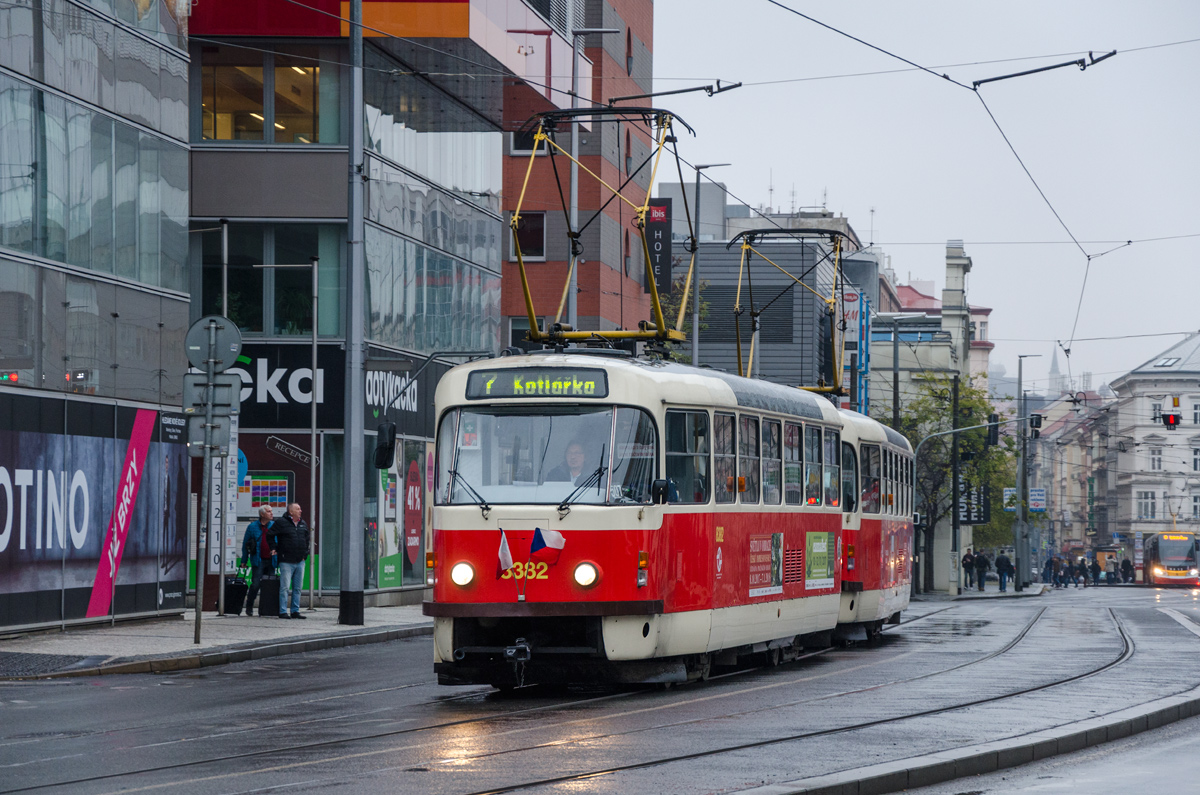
(1004, 569)
(982, 564)
(289, 540)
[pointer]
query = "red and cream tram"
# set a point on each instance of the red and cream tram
(601, 518)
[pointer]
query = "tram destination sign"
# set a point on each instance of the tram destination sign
(537, 382)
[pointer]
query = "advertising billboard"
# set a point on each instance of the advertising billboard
(93, 510)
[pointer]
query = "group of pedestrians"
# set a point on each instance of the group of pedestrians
(1063, 573)
(272, 544)
(976, 566)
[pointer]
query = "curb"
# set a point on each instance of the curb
(187, 662)
(1026, 594)
(973, 760)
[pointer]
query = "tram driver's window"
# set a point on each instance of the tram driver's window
(725, 463)
(687, 457)
(635, 452)
(812, 465)
(870, 478)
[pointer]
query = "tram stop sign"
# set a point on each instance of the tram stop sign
(229, 343)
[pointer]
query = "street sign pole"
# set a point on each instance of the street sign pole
(202, 557)
(213, 343)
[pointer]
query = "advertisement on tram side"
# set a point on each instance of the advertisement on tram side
(93, 511)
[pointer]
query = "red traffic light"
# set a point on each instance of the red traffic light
(1171, 421)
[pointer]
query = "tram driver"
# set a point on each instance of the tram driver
(572, 466)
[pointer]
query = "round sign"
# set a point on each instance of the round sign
(228, 343)
(414, 517)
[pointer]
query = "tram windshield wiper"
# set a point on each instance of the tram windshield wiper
(564, 507)
(459, 480)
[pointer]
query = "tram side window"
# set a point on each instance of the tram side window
(870, 478)
(833, 480)
(635, 452)
(793, 464)
(772, 466)
(849, 477)
(725, 452)
(889, 482)
(812, 465)
(687, 456)
(748, 458)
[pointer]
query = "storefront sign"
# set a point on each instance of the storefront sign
(277, 386)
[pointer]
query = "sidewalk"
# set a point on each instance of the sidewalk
(992, 591)
(167, 644)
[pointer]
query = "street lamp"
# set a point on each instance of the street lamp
(696, 266)
(313, 263)
(573, 288)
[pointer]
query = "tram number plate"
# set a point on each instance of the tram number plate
(533, 570)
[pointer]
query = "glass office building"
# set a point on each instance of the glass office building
(93, 297)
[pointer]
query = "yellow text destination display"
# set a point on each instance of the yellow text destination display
(537, 382)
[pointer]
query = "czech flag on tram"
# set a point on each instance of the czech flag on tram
(506, 560)
(547, 544)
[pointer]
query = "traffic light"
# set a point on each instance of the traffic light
(993, 433)
(1035, 422)
(1170, 420)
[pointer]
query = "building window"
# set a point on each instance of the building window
(1156, 459)
(628, 51)
(1196, 414)
(273, 300)
(235, 84)
(231, 95)
(297, 100)
(531, 236)
(1196, 459)
(521, 143)
(1196, 507)
(1155, 413)
(1146, 503)
(628, 153)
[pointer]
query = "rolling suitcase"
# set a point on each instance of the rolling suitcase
(268, 595)
(235, 594)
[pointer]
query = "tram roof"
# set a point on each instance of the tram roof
(743, 392)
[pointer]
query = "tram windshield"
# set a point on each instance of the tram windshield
(546, 455)
(1176, 548)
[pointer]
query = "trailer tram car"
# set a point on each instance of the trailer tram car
(601, 518)
(1170, 559)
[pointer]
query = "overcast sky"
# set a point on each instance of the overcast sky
(1115, 149)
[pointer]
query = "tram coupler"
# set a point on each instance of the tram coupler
(519, 652)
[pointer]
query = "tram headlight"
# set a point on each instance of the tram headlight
(462, 574)
(1158, 572)
(1194, 573)
(586, 575)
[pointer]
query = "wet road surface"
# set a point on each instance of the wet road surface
(372, 719)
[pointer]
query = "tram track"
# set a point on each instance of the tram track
(1127, 651)
(413, 730)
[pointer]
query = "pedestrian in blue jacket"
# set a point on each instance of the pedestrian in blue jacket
(253, 545)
